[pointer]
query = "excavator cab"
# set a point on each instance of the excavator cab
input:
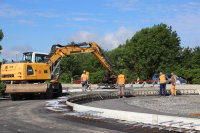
(34, 57)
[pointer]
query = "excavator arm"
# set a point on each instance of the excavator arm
(58, 51)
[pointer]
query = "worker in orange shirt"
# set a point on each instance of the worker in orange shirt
(173, 84)
(84, 81)
(121, 85)
(162, 79)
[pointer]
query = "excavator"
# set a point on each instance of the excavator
(29, 76)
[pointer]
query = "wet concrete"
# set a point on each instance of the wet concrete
(183, 105)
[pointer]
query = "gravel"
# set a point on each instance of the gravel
(179, 105)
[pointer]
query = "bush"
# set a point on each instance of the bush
(2, 89)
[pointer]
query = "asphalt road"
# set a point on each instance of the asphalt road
(30, 116)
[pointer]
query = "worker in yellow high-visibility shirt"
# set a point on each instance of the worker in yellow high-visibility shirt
(163, 80)
(173, 84)
(84, 81)
(121, 85)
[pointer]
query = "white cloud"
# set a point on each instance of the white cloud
(108, 41)
(125, 5)
(49, 14)
(82, 13)
(7, 11)
(188, 28)
(184, 17)
(29, 22)
(88, 19)
(15, 52)
(186, 23)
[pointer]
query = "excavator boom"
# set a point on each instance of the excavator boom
(57, 53)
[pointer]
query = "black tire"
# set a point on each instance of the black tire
(49, 93)
(59, 93)
(15, 97)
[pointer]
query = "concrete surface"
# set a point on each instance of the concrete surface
(132, 116)
(184, 105)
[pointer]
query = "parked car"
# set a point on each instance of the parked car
(179, 80)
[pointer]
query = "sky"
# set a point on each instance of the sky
(35, 25)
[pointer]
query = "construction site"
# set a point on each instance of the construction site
(141, 108)
(107, 66)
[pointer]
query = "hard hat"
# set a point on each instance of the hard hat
(84, 71)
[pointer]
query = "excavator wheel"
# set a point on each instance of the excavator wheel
(54, 90)
(15, 97)
(59, 90)
(49, 92)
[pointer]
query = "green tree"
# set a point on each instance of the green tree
(1, 37)
(70, 68)
(91, 64)
(150, 51)
(2, 86)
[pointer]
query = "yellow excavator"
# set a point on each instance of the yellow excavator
(29, 75)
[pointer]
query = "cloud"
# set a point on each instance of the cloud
(29, 22)
(120, 21)
(15, 52)
(82, 14)
(88, 19)
(186, 23)
(49, 14)
(188, 28)
(8, 11)
(183, 16)
(125, 5)
(107, 41)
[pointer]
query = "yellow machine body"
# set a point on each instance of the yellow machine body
(33, 72)
(25, 71)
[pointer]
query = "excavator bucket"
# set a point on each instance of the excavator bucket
(26, 88)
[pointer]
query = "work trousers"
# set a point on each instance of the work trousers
(85, 85)
(121, 90)
(173, 90)
(163, 89)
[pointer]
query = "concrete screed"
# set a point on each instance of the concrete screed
(185, 105)
(181, 105)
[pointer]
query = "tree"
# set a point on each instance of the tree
(70, 67)
(150, 51)
(2, 86)
(1, 37)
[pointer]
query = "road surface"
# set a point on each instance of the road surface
(30, 116)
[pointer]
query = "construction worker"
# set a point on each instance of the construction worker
(121, 85)
(84, 81)
(173, 84)
(162, 79)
